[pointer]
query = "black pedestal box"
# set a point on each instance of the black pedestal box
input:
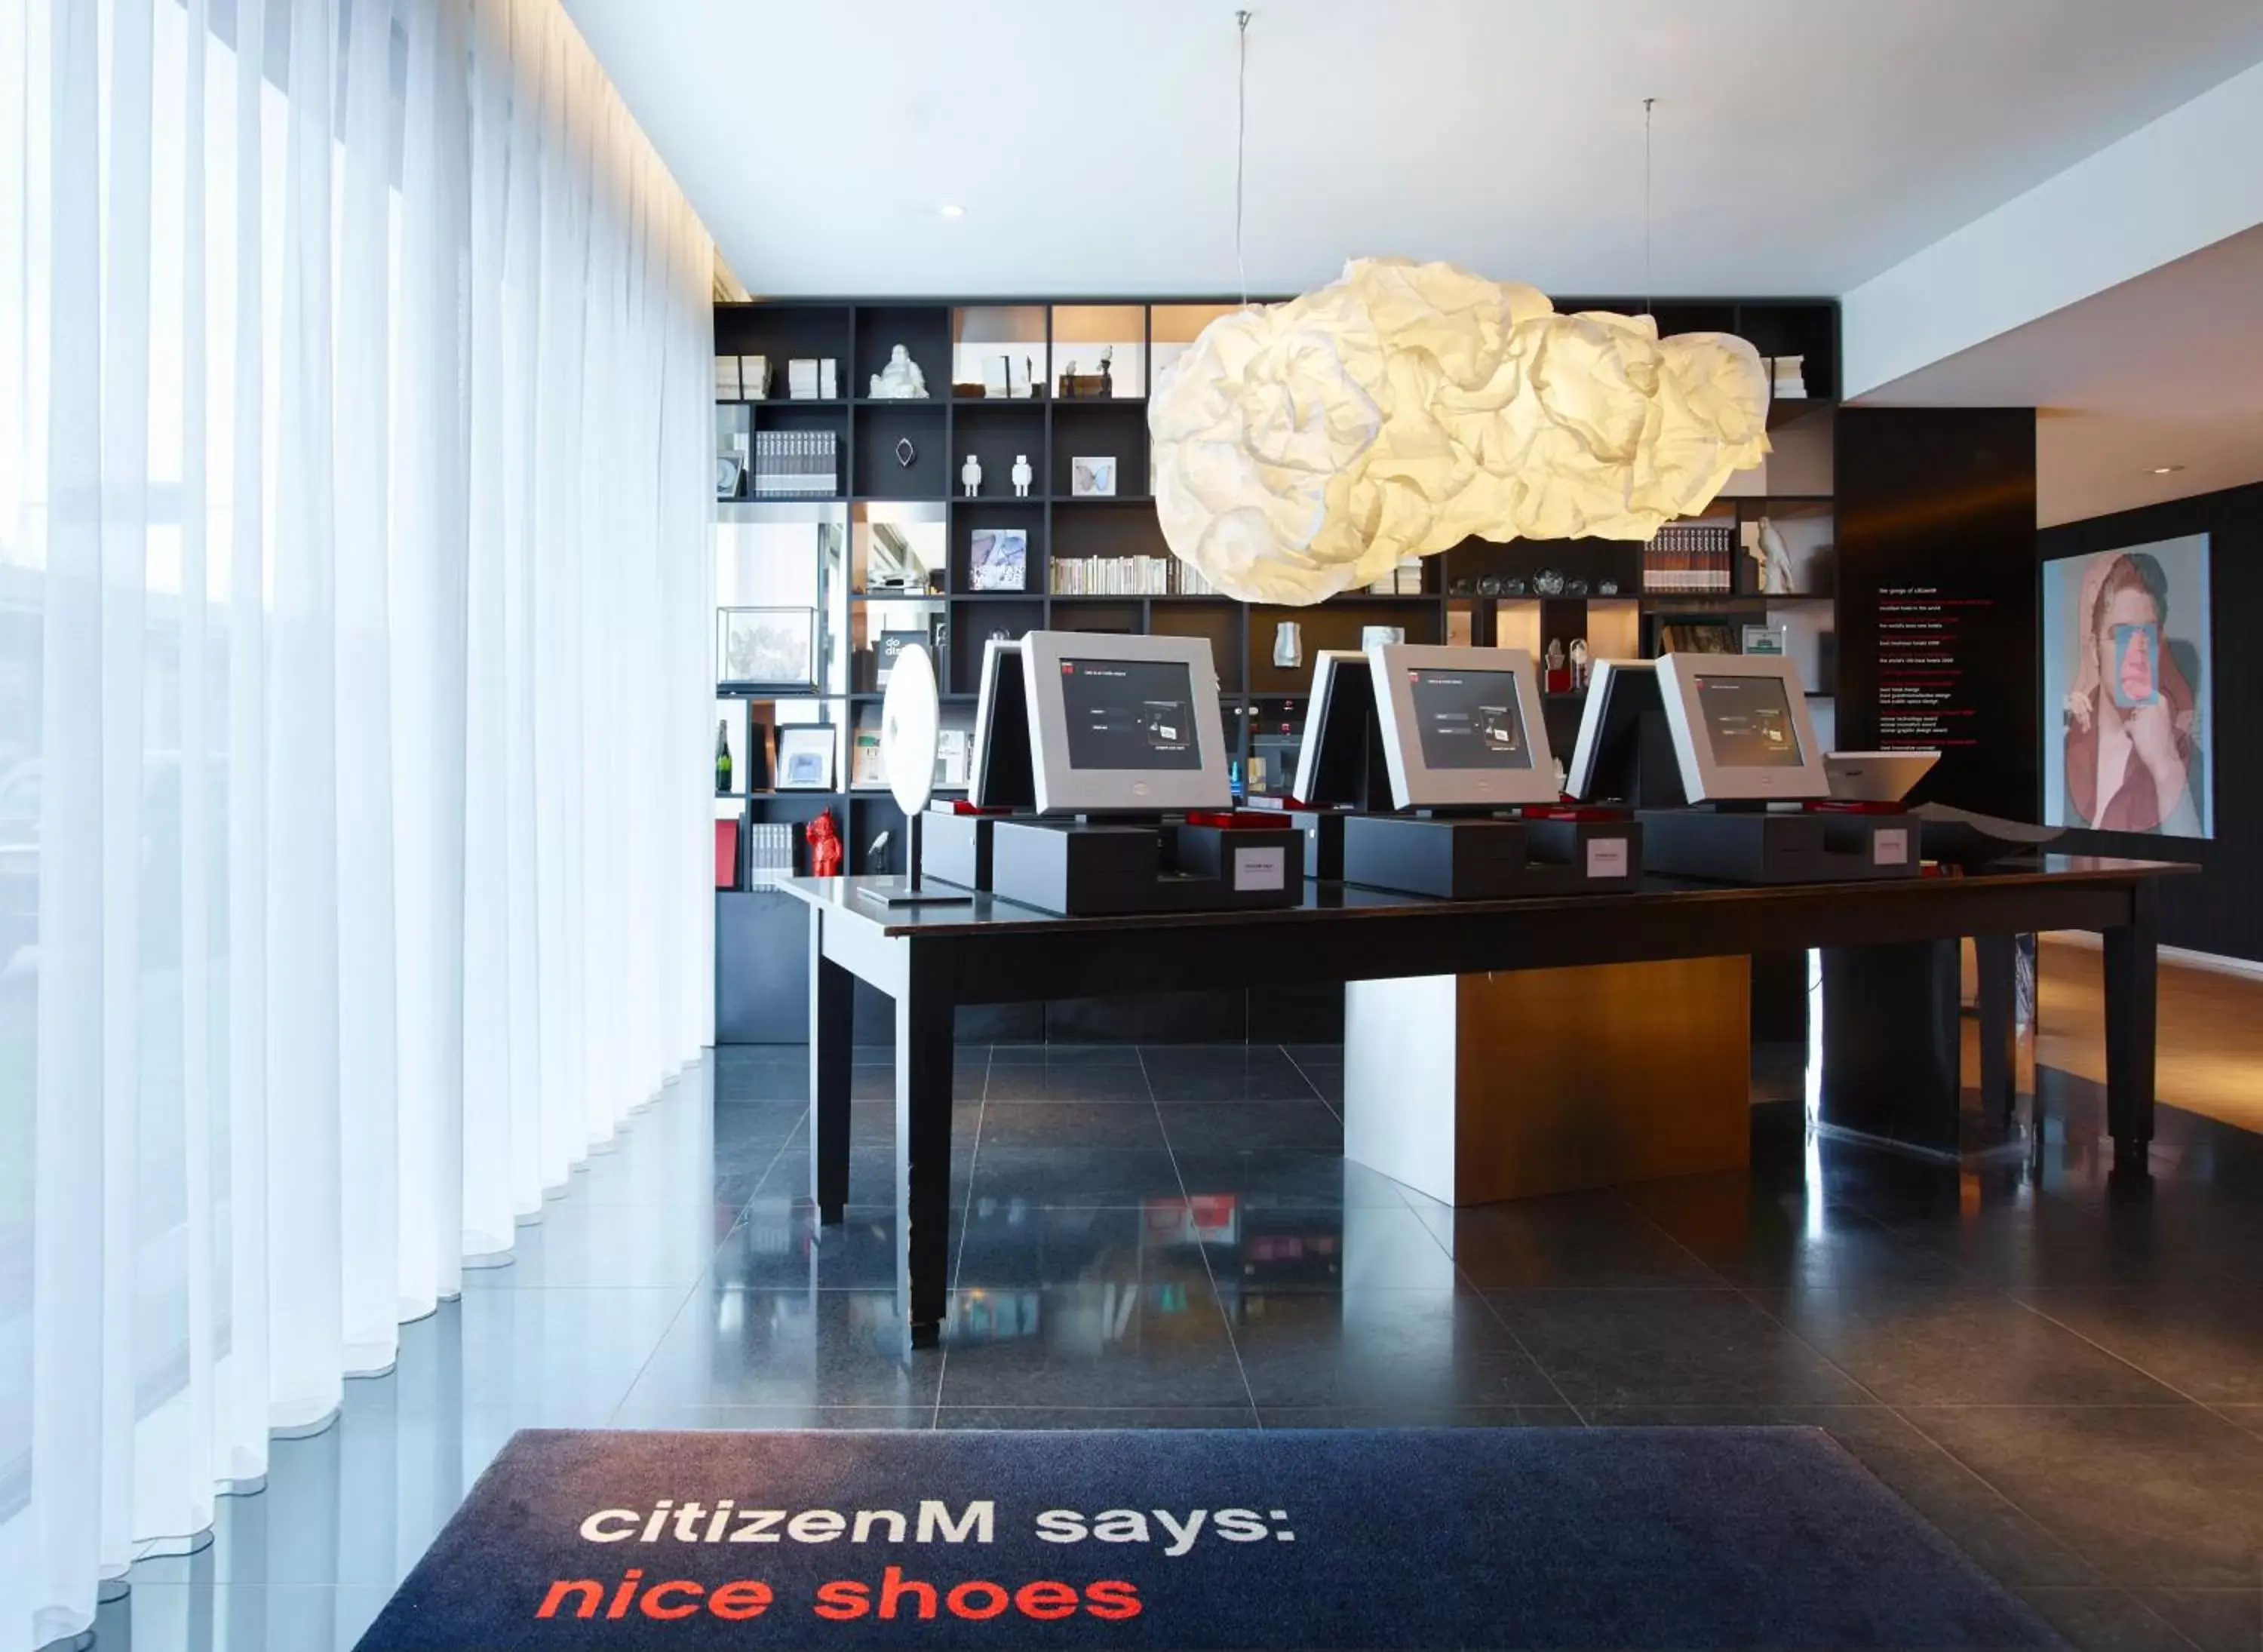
(1104, 871)
(1779, 848)
(956, 848)
(1488, 858)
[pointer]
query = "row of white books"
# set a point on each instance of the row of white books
(1691, 559)
(790, 462)
(1126, 577)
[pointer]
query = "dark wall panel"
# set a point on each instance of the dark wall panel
(2221, 910)
(1937, 597)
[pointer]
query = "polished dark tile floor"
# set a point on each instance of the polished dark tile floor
(2064, 1375)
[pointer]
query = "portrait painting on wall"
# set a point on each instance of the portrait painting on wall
(2127, 679)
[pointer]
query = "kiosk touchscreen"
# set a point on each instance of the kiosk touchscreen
(1341, 760)
(1741, 731)
(1626, 751)
(1462, 726)
(999, 777)
(1124, 724)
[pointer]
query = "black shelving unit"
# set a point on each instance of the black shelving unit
(1053, 429)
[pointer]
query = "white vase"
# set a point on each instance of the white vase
(1288, 645)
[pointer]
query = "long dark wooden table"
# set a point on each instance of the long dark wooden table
(931, 960)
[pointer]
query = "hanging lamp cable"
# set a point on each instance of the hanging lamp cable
(1649, 281)
(1241, 125)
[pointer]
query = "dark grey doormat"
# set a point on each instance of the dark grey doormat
(1599, 1537)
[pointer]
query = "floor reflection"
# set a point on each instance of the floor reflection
(2057, 1369)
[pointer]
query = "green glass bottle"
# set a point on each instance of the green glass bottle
(722, 756)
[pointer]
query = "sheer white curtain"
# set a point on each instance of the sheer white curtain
(354, 635)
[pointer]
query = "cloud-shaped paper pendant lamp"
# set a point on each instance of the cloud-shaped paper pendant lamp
(1302, 449)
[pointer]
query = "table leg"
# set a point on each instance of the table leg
(924, 1023)
(832, 1016)
(1996, 958)
(2132, 1010)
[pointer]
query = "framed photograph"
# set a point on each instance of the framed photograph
(998, 559)
(1092, 478)
(766, 648)
(728, 475)
(804, 757)
(1764, 639)
(2129, 682)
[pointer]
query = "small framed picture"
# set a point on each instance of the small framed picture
(998, 559)
(772, 649)
(1092, 478)
(728, 474)
(1764, 639)
(804, 757)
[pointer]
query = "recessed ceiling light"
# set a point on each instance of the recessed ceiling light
(950, 211)
(2166, 470)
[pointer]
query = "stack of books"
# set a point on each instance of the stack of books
(1127, 577)
(770, 849)
(1405, 580)
(796, 463)
(1691, 559)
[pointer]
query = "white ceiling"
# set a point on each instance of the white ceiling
(1802, 145)
(2166, 369)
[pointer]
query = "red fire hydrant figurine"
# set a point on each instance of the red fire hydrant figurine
(824, 846)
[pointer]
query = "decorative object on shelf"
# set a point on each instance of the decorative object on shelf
(1021, 381)
(1575, 587)
(728, 475)
(1463, 588)
(804, 757)
(999, 633)
(801, 378)
(1489, 585)
(866, 771)
(1375, 636)
(901, 380)
(970, 476)
(1108, 370)
(1022, 475)
(953, 757)
(1788, 376)
(766, 651)
(1582, 663)
(1515, 585)
(1697, 636)
(876, 852)
(722, 756)
(828, 379)
(1623, 432)
(998, 559)
(1092, 478)
(1556, 669)
(755, 378)
(1288, 645)
(824, 845)
(906, 454)
(1607, 588)
(1765, 639)
(1086, 386)
(1547, 582)
(997, 376)
(1774, 558)
(890, 647)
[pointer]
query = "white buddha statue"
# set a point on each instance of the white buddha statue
(900, 381)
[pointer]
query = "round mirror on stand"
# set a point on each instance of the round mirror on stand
(910, 717)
